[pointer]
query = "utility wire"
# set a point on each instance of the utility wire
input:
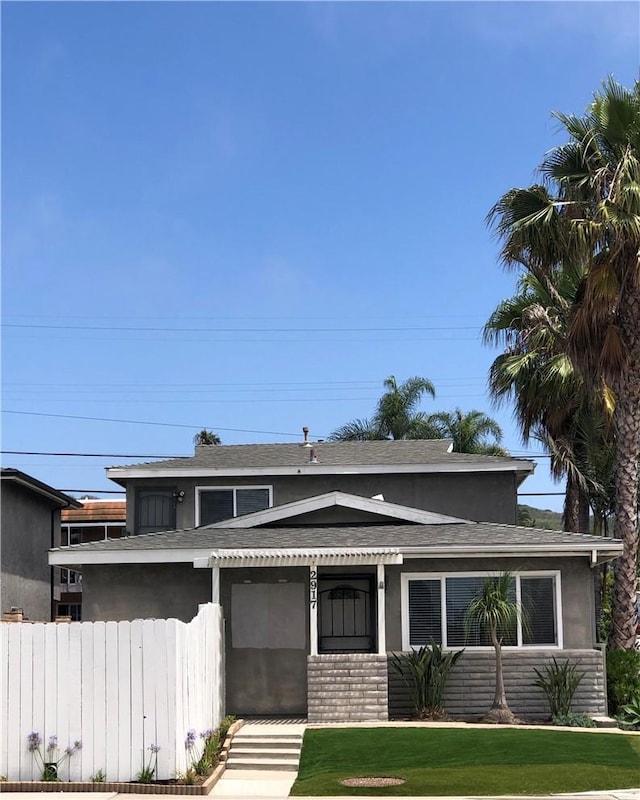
(151, 329)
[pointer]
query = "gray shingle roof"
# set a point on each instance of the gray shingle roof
(422, 451)
(479, 534)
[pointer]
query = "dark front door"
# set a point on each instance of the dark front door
(345, 619)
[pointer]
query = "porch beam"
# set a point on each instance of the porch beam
(382, 631)
(215, 585)
(313, 609)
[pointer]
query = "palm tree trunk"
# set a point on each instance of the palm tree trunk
(627, 432)
(584, 512)
(500, 697)
(570, 517)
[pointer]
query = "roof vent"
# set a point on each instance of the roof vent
(313, 456)
(306, 442)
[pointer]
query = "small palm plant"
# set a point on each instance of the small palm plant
(425, 672)
(495, 610)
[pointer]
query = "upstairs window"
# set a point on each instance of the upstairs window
(155, 510)
(216, 505)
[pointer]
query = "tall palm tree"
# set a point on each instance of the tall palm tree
(552, 402)
(396, 415)
(589, 212)
(472, 432)
(495, 609)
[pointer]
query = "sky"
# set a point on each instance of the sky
(244, 216)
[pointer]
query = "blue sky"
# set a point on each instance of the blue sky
(245, 216)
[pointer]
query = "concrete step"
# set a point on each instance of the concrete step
(265, 752)
(256, 742)
(242, 762)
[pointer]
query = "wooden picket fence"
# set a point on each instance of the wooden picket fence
(118, 687)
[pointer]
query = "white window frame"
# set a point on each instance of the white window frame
(442, 577)
(234, 489)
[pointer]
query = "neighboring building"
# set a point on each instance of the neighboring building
(92, 521)
(29, 526)
(327, 557)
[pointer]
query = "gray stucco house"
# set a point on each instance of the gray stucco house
(328, 557)
(29, 526)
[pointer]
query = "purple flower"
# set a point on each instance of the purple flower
(206, 734)
(69, 751)
(34, 741)
(77, 745)
(155, 748)
(190, 741)
(52, 743)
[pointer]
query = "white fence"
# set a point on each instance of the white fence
(118, 687)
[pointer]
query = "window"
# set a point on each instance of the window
(155, 510)
(216, 505)
(434, 607)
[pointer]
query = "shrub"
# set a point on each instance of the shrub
(559, 683)
(623, 678)
(631, 714)
(425, 672)
(574, 721)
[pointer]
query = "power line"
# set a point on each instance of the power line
(82, 455)
(147, 422)
(153, 329)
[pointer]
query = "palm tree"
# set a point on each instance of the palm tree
(396, 415)
(552, 402)
(495, 609)
(471, 432)
(206, 436)
(589, 213)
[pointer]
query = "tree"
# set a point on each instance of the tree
(471, 432)
(206, 436)
(396, 415)
(495, 609)
(588, 212)
(552, 403)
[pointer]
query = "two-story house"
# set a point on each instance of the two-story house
(328, 556)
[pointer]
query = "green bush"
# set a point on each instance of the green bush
(623, 678)
(574, 721)
(631, 714)
(559, 683)
(425, 672)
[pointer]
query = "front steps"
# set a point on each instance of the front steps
(265, 751)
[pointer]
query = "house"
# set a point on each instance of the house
(327, 557)
(93, 519)
(29, 526)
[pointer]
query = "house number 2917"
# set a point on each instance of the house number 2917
(313, 588)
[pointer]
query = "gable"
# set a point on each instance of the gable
(337, 508)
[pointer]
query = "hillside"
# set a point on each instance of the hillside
(543, 518)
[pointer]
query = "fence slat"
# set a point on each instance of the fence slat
(111, 696)
(124, 701)
(137, 706)
(74, 698)
(87, 700)
(99, 701)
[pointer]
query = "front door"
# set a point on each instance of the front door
(345, 618)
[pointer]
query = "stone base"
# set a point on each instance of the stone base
(347, 687)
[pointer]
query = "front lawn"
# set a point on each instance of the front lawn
(454, 761)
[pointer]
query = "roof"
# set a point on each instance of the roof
(43, 489)
(96, 511)
(419, 455)
(448, 540)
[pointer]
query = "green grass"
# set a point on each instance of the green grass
(447, 761)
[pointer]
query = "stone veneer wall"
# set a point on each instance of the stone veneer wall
(471, 684)
(347, 687)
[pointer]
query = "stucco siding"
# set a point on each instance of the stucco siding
(143, 591)
(578, 611)
(480, 496)
(27, 523)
